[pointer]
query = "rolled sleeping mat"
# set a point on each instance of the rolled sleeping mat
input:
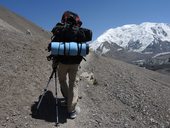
(69, 48)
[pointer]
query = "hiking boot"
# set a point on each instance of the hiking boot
(73, 114)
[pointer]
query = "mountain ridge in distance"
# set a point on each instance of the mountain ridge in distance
(135, 37)
(138, 44)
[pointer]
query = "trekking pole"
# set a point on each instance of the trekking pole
(45, 90)
(57, 122)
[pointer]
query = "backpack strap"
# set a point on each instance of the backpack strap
(80, 48)
(64, 48)
(84, 59)
(58, 49)
(78, 52)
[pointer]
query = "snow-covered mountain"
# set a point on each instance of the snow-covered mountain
(146, 38)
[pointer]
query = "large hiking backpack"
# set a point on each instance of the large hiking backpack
(69, 30)
(69, 38)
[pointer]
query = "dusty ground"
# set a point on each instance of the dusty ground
(116, 95)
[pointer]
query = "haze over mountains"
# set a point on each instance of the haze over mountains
(114, 93)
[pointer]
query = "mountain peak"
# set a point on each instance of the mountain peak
(133, 37)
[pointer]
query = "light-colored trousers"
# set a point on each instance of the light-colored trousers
(69, 89)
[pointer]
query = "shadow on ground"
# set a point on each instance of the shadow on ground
(47, 109)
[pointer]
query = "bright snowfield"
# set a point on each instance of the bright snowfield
(143, 35)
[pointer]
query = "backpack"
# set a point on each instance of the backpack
(66, 33)
(69, 30)
(68, 42)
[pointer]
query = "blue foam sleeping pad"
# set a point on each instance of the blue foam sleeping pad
(69, 48)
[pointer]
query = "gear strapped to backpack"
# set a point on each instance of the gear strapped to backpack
(69, 30)
(71, 18)
(69, 39)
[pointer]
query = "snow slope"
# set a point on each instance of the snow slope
(136, 38)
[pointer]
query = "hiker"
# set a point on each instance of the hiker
(67, 64)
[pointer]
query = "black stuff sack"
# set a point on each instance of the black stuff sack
(67, 33)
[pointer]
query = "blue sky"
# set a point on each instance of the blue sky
(97, 15)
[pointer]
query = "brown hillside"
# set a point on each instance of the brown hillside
(114, 93)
